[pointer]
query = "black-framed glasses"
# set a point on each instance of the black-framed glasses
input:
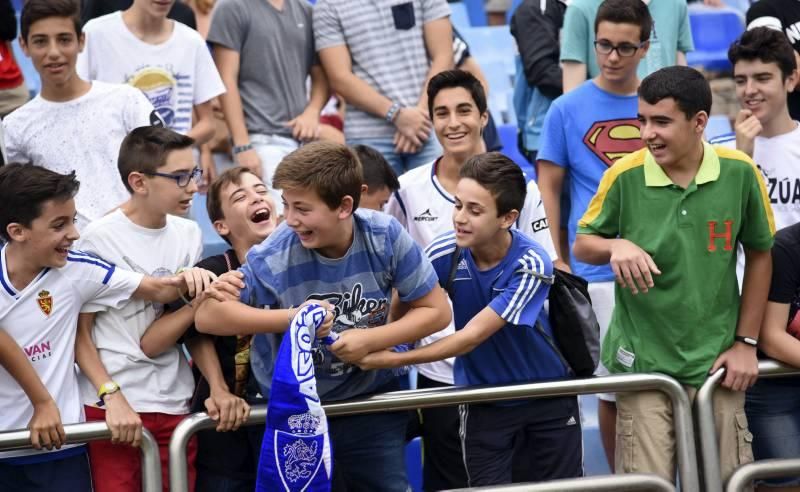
(182, 179)
(624, 50)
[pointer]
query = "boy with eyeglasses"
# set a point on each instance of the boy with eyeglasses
(584, 133)
(130, 358)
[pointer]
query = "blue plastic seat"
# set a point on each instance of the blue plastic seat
(477, 13)
(508, 137)
(718, 124)
(713, 31)
(459, 16)
(213, 244)
(414, 464)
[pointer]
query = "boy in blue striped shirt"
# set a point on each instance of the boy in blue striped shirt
(327, 250)
(502, 335)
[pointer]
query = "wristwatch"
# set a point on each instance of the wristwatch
(107, 388)
(238, 149)
(746, 340)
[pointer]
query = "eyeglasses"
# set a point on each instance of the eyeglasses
(624, 50)
(182, 179)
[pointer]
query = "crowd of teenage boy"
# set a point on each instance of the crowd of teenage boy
(428, 249)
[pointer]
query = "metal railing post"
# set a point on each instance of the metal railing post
(609, 483)
(744, 475)
(407, 400)
(95, 431)
(707, 431)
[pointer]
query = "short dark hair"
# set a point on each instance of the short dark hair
(377, 170)
(626, 12)
(146, 148)
(331, 170)
(766, 45)
(450, 79)
(501, 176)
(213, 199)
(24, 188)
(36, 10)
(685, 85)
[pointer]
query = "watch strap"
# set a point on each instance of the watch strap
(746, 340)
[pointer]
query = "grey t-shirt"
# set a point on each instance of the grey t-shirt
(276, 49)
(387, 47)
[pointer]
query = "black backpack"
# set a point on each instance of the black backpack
(574, 324)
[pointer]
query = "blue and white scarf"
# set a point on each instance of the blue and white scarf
(296, 450)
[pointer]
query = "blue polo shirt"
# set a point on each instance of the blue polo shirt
(518, 352)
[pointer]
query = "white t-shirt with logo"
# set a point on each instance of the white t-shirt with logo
(425, 209)
(84, 135)
(163, 384)
(43, 319)
(174, 75)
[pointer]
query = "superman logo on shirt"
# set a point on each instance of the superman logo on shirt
(613, 139)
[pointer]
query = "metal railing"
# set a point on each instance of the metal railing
(744, 475)
(437, 397)
(608, 483)
(96, 431)
(704, 402)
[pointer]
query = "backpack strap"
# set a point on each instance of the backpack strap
(548, 279)
(448, 286)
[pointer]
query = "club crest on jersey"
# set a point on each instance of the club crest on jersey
(45, 301)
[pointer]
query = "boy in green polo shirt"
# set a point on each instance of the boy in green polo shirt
(668, 218)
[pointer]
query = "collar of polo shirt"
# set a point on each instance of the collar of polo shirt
(654, 175)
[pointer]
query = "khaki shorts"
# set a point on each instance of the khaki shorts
(646, 435)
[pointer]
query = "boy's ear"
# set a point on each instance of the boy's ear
(791, 80)
(24, 46)
(221, 227)
(364, 189)
(509, 219)
(81, 41)
(346, 207)
(137, 182)
(700, 122)
(16, 232)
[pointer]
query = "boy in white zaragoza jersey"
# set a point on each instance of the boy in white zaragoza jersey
(42, 288)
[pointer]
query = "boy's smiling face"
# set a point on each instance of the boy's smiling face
(475, 217)
(248, 211)
(50, 234)
(53, 47)
(318, 226)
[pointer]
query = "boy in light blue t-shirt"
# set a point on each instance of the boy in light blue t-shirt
(326, 250)
(585, 132)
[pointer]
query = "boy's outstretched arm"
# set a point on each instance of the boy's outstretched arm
(428, 314)
(633, 267)
(124, 422)
(740, 360)
(45, 425)
(167, 289)
(463, 341)
(223, 314)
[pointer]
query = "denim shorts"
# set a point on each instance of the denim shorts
(773, 411)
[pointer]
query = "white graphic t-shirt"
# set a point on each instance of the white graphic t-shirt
(174, 75)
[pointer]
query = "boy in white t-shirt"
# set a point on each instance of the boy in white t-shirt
(43, 285)
(72, 123)
(167, 60)
(765, 72)
(424, 205)
(131, 348)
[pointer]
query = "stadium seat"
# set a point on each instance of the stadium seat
(459, 16)
(510, 12)
(713, 31)
(477, 13)
(212, 243)
(414, 464)
(718, 124)
(508, 137)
